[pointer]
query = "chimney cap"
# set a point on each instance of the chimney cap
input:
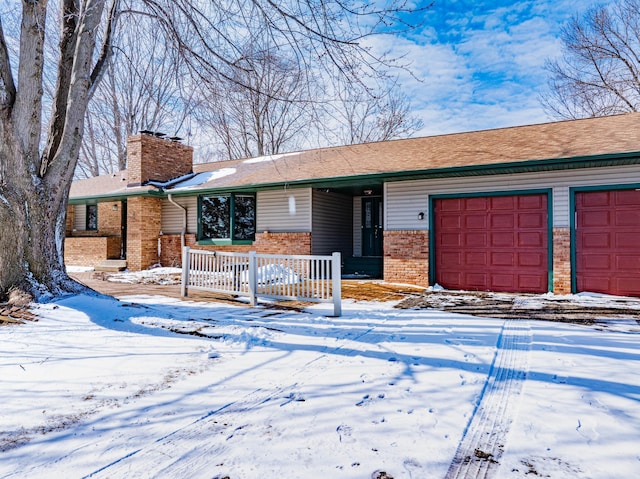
(153, 133)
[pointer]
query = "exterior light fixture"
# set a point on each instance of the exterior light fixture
(421, 216)
(368, 192)
(115, 207)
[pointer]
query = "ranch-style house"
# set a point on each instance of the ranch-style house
(547, 207)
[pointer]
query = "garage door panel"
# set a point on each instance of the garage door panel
(475, 204)
(626, 198)
(626, 217)
(475, 240)
(502, 221)
(501, 281)
(596, 218)
(626, 240)
(628, 263)
(475, 222)
(450, 222)
(530, 281)
(451, 239)
(477, 259)
(502, 239)
(607, 241)
(601, 262)
(531, 259)
(497, 203)
(597, 240)
(475, 281)
(503, 259)
(532, 202)
(631, 284)
(599, 198)
(454, 204)
(504, 243)
(531, 220)
(534, 239)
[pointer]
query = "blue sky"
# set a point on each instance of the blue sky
(481, 62)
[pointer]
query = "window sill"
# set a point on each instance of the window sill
(223, 242)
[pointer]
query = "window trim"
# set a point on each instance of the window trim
(225, 241)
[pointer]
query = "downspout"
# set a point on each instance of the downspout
(184, 221)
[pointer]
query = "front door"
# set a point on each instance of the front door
(372, 226)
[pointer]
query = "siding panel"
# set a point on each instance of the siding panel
(331, 222)
(172, 215)
(80, 217)
(284, 211)
(405, 198)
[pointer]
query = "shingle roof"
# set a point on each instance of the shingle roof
(548, 141)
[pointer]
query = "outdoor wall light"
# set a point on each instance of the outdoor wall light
(368, 192)
(115, 207)
(421, 216)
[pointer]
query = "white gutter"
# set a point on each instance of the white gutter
(184, 220)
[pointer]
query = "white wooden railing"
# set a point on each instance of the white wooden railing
(271, 276)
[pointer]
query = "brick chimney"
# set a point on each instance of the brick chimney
(152, 158)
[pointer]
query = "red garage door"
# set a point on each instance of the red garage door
(608, 242)
(495, 243)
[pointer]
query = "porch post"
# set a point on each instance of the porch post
(336, 289)
(184, 289)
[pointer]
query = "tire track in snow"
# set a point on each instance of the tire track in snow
(478, 454)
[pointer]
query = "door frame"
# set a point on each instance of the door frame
(572, 221)
(432, 223)
(376, 232)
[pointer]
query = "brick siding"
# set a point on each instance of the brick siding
(90, 250)
(266, 243)
(561, 260)
(143, 230)
(406, 257)
(152, 158)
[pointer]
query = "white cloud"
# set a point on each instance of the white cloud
(482, 67)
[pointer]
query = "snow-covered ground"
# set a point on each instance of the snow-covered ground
(158, 387)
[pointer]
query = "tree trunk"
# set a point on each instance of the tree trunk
(32, 248)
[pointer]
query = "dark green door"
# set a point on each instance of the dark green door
(372, 226)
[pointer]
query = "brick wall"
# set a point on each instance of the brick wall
(406, 257)
(143, 230)
(109, 219)
(90, 251)
(152, 158)
(266, 243)
(70, 219)
(561, 260)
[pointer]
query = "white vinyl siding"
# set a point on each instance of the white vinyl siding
(284, 211)
(80, 217)
(331, 222)
(405, 199)
(172, 216)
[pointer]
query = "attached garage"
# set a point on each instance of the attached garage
(495, 243)
(607, 241)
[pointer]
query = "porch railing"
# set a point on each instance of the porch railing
(288, 277)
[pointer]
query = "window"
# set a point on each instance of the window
(92, 217)
(228, 217)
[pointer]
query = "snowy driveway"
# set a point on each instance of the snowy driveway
(98, 388)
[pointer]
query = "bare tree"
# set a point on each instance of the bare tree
(366, 116)
(142, 89)
(260, 106)
(37, 167)
(598, 73)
